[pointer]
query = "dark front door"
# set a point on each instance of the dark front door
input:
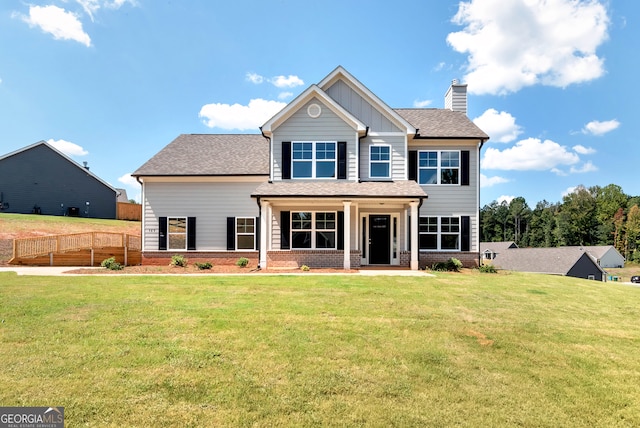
(379, 239)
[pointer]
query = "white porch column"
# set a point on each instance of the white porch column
(347, 234)
(415, 261)
(265, 216)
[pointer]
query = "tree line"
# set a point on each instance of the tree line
(587, 216)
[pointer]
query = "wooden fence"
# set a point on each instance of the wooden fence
(77, 249)
(127, 211)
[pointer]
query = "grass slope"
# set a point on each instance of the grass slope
(452, 350)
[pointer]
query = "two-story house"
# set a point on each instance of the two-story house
(336, 179)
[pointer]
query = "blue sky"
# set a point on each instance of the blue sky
(111, 82)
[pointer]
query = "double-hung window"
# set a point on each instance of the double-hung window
(439, 233)
(313, 159)
(439, 167)
(177, 233)
(245, 233)
(313, 230)
(380, 166)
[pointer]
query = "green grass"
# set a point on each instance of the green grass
(452, 350)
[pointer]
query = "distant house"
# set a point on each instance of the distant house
(606, 255)
(489, 250)
(567, 261)
(39, 179)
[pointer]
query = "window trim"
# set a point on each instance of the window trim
(185, 233)
(314, 160)
(313, 230)
(238, 234)
(439, 168)
(439, 233)
(371, 161)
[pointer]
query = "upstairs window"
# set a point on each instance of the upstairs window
(313, 159)
(380, 164)
(439, 167)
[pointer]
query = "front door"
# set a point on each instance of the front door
(379, 239)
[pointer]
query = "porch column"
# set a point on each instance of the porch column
(265, 215)
(415, 261)
(347, 234)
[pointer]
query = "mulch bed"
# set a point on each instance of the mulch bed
(192, 269)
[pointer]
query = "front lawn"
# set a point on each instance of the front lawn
(451, 350)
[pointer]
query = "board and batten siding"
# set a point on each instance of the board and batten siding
(398, 160)
(327, 127)
(211, 203)
(355, 104)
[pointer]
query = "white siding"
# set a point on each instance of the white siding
(398, 160)
(351, 100)
(327, 127)
(210, 203)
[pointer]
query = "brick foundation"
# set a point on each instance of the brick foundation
(216, 258)
(468, 259)
(311, 258)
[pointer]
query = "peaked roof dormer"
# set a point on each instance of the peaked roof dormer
(341, 74)
(310, 93)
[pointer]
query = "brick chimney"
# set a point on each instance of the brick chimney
(456, 97)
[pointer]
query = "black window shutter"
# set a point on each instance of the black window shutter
(231, 233)
(464, 164)
(465, 232)
(285, 227)
(340, 231)
(162, 233)
(413, 165)
(286, 160)
(342, 160)
(191, 233)
(257, 229)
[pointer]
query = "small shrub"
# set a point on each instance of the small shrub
(111, 264)
(439, 267)
(304, 268)
(203, 266)
(488, 269)
(451, 265)
(178, 260)
(242, 262)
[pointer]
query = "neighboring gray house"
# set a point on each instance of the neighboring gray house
(336, 179)
(606, 255)
(489, 250)
(39, 179)
(568, 261)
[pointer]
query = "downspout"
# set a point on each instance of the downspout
(366, 134)
(260, 218)
(270, 160)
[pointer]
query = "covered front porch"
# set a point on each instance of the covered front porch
(339, 224)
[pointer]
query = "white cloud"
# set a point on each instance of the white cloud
(506, 199)
(595, 127)
(69, 149)
(491, 181)
(529, 154)
(255, 78)
(287, 81)
(500, 126)
(285, 95)
(583, 150)
(129, 181)
(62, 25)
(515, 44)
(238, 116)
(569, 190)
(422, 103)
(587, 167)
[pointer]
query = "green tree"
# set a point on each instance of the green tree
(577, 218)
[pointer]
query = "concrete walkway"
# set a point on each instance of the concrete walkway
(62, 270)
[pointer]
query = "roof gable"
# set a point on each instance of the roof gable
(57, 152)
(310, 93)
(341, 74)
(554, 260)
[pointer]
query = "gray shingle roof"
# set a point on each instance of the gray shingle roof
(395, 189)
(441, 123)
(554, 260)
(210, 154)
(497, 247)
